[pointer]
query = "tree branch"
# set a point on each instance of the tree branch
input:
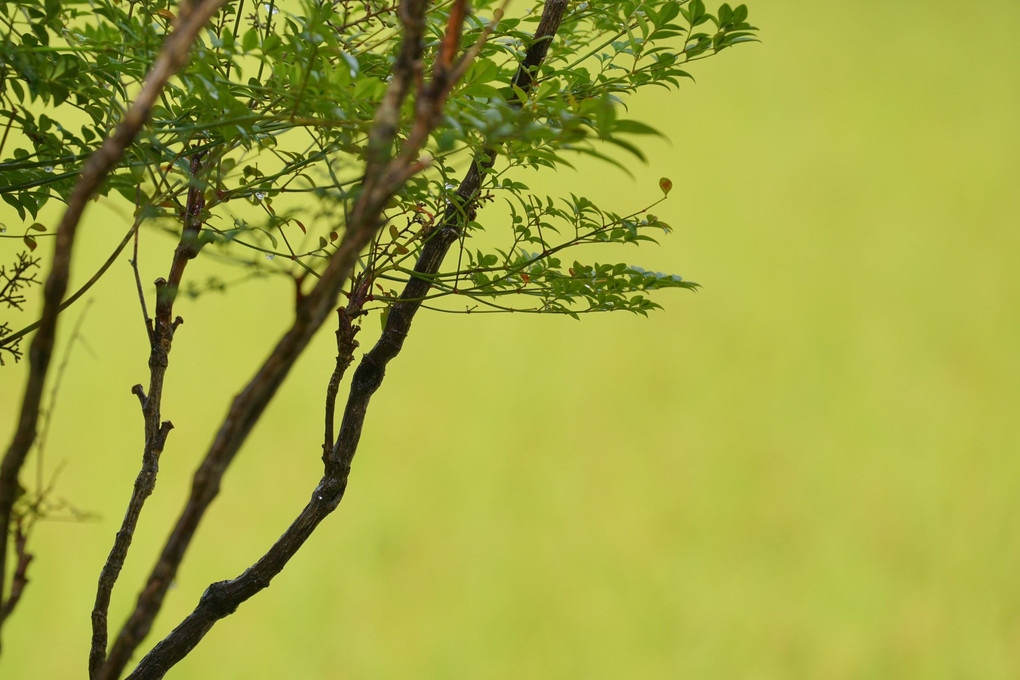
(171, 58)
(548, 25)
(223, 598)
(312, 309)
(345, 346)
(161, 333)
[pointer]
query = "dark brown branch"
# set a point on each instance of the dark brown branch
(244, 412)
(161, 333)
(223, 598)
(548, 25)
(312, 309)
(171, 58)
(345, 346)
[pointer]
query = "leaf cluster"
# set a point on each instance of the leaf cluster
(279, 97)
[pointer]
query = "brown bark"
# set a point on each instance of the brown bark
(223, 598)
(171, 58)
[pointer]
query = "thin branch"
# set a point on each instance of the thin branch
(346, 344)
(47, 417)
(223, 598)
(141, 293)
(161, 335)
(21, 276)
(171, 58)
(23, 528)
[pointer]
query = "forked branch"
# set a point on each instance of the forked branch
(171, 58)
(383, 178)
(223, 598)
(160, 332)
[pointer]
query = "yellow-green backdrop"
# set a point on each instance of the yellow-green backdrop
(807, 470)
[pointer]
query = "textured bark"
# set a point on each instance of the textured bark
(311, 311)
(161, 332)
(224, 597)
(171, 58)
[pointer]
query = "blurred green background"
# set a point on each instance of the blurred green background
(807, 470)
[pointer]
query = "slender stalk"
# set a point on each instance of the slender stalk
(161, 332)
(171, 58)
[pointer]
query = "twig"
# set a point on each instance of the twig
(170, 59)
(22, 529)
(70, 300)
(14, 281)
(345, 346)
(161, 335)
(47, 417)
(17, 279)
(141, 293)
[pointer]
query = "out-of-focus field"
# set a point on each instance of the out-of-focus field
(810, 469)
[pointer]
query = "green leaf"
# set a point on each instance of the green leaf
(725, 14)
(635, 128)
(638, 153)
(669, 11)
(250, 40)
(272, 43)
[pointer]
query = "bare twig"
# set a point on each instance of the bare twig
(141, 293)
(24, 519)
(14, 280)
(345, 346)
(47, 417)
(171, 58)
(161, 334)
(222, 599)
(19, 277)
